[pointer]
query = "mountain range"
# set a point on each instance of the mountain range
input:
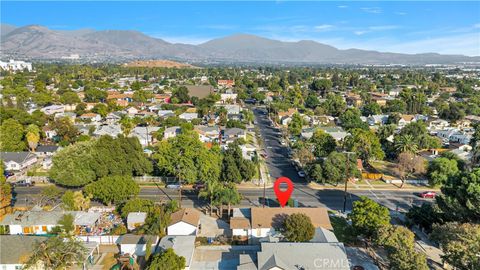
(35, 42)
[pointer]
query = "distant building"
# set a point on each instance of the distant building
(18, 161)
(13, 65)
(226, 83)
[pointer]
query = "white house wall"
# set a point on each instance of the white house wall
(181, 228)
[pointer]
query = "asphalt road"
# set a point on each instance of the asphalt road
(279, 165)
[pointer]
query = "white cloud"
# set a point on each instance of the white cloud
(400, 13)
(323, 27)
(477, 25)
(374, 10)
(342, 6)
(376, 28)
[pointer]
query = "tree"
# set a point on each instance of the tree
(440, 169)
(298, 227)
(67, 200)
(315, 173)
(127, 125)
(11, 136)
(180, 95)
(229, 195)
(33, 136)
(321, 85)
(365, 143)
(323, 143)
(136, 205)
(350, 119)
(311, 101)
(461, 197)
(295, 126)
(113, 189)
(425, 216)
(69, 97)
(65, 130)
(371, 108)
(400, 245)
(409, 164)
(459, 243)
(334, 104)
(85, 162)
(101, 109)
(167, 260)
(81, 202)
(49, 195)
(335, 168)
(368, 217)
(57, 253)
(406, 144)
(304, 155)
(187, 158)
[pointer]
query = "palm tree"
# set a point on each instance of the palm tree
(210, 191)
(229, 195)
(406, 143)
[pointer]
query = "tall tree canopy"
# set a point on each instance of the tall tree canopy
(85, 162)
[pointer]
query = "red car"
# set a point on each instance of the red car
(428, 194)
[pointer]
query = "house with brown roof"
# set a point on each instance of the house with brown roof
(406, 119)
(184, 222)
(265, 222)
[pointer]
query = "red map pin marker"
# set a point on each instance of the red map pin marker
(283, 196)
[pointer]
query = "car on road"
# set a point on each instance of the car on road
(428, 194)
(174, 186)
(23, 183)
(301, 174)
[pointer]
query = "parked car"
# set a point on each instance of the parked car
(24, 183)
(174, 186)
(428, 194)
(301, 174)
(8, 174)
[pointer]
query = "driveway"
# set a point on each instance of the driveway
(212, 227)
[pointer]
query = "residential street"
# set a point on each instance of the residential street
(278, 165)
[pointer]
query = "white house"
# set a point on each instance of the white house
(406, 119)
(93, 117)
(207, 133)
(378, 119)
(135, 220)
(53, 109)
(188, 116)
(17, 161)
(287, 255)
(136, 244)
(228, 98)
(15, 65)
(184, 222)
(171, 132)
(261, 222)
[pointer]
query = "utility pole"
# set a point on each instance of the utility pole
(346, 181)
(264, 192)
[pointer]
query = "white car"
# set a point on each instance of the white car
(174, 186)
(301, 174)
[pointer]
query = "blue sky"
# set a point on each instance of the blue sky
(407, 27)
